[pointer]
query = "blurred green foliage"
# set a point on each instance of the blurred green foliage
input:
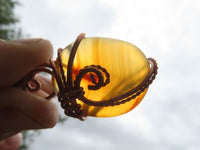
(8, 20)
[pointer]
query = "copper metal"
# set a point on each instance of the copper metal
(70, 91)
(30, 84)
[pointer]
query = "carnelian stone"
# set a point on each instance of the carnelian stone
(126, 64)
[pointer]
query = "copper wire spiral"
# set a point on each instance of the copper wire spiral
(69, 91)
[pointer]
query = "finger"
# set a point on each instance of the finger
(17, 58)
(21, 110)
(11, 143)
(46, 84)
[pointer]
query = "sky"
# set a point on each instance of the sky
(167, 30)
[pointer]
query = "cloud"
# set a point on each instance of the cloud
(61, 21)
(168, 117)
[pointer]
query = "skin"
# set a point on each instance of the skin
(20, 110)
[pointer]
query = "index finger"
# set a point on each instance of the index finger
(17, 58)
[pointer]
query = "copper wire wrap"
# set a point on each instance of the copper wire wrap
(70, 91)
(30, 84)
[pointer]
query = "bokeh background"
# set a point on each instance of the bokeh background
(168, 30)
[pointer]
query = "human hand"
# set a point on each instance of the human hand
(20, 110)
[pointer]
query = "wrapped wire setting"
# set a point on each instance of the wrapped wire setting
(70, 90)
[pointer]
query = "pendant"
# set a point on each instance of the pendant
(99, 77)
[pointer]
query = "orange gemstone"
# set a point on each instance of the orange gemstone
(125, 63)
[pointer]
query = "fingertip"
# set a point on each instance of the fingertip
(14, 141)
(44, 49)
(44, 111)
(19, 57)
(51, 114)
(55, 115)
(47, 109)
(41, 50)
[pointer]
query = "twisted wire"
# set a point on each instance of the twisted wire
(69, 92)
(133, 93)
(30, 84)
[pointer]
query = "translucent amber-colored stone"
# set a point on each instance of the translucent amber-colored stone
(125, 63)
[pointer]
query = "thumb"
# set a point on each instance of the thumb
(17, 58)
